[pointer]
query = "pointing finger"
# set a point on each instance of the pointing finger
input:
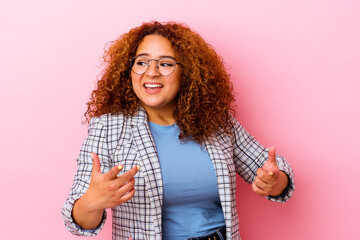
(275, 173)
(127, 186)
(114, 171)
(265, 176)
(128, 175)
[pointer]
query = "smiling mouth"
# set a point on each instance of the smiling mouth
(153, 86)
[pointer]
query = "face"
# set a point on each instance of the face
(155, 91)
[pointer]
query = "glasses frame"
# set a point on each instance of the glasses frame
(132, 62)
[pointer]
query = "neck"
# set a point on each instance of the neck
(160, 116)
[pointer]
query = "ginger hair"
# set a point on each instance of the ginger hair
(205, 98)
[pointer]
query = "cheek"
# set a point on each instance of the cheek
(174, 86)
(135, 82)
(133, 79)
(177, 80)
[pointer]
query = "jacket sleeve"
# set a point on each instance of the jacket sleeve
(95, 142)
(249, 155)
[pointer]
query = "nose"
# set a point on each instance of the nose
(152, 70)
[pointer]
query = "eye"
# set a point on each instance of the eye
(167, 63)
(141, 61)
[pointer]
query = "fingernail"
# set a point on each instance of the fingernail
(271, 173)
(120, 166)
(92, 156)
(138, 167)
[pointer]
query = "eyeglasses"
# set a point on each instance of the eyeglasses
(165, 65)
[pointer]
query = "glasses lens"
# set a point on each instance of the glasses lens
(166, 66)
(140, 65)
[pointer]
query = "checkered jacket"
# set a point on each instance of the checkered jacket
(127, 140)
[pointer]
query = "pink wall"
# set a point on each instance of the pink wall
(295, 67)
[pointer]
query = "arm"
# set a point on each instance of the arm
(93, 191)
(95, 142)
(250, 157)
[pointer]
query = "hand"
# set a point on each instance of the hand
(108, 190)
(269, 179)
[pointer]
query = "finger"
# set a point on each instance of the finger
(96, 163)
(264, 188)
(126, 197)
(270, 164)
(266, 177)
(274, 172)
(128, 175)
(114, 171)
(272, 155)
(262, 175)
(126, 187)
(260, 184)
(257, 190)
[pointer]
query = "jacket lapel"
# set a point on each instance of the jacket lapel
(224, 169)
(149, 164)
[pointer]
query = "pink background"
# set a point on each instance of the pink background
(295, 67)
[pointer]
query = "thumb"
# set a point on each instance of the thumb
(272, 155)
(96, 163)
(270, 165)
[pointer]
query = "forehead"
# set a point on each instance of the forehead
(155, 46)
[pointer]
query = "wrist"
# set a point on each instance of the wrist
(85, 216)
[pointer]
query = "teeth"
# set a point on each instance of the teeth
(153, 85)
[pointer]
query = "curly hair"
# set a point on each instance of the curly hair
(205, 98)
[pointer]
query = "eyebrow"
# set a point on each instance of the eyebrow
(161, 56)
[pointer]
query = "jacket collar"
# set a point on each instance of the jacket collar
(139, 118)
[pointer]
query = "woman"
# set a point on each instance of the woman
(163, 149)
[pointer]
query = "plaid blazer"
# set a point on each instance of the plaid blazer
(127, 140)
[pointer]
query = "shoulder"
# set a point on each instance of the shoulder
(237, 132)
(237, 127)
(223, 137)
(115, 128)
(110, 120)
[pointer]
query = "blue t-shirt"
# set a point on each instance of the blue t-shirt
(191, 204)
